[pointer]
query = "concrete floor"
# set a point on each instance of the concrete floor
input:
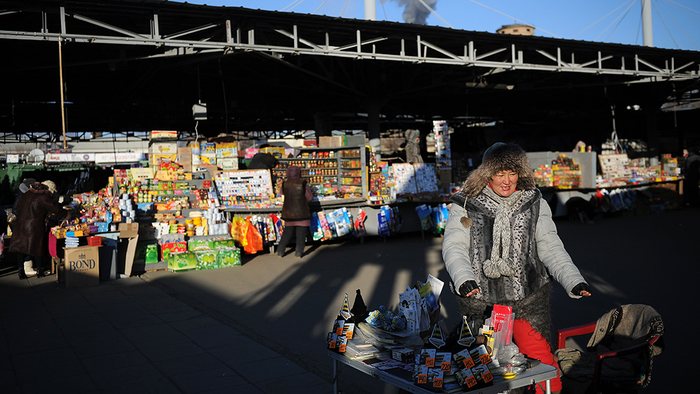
(288, 305)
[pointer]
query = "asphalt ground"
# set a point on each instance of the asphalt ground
(261, 327)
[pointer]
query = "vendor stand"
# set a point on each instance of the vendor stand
(563, 176)
(413, 350)
(540, 373)
(353, 194)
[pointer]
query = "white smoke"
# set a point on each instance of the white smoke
(416, 11)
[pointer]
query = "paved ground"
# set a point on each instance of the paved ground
(260, 328)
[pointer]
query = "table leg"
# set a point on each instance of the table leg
(335, 376)
(548, 386)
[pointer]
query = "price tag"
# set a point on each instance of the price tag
(422, 378)
(437, 382)
(469, 362)
(430, 362)
(446, 366)
(487, 376)
(470, 381)
(485, 359)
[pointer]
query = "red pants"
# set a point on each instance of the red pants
(533, 345)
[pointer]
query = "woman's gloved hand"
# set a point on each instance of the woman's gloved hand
(581, 289)
(469, 288)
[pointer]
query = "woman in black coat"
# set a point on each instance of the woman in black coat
(295, 211)
(29, 233)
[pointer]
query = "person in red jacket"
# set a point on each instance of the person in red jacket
(295, 211)
(29, 234)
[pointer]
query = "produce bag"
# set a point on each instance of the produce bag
(254, 242)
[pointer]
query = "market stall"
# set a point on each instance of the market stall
(567, 178)
(197, 207)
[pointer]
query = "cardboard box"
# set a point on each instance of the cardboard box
(163, 148)
(55, 263)
(324, 142)
(82, 266)
(139, 174)
(163, 134)
(128, 230)
(226, 152)
(331, 142)
(184, 158)
(355, 140)
(158, 159)
(128, 239)
(227, 164)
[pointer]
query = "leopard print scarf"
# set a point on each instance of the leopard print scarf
(500, 262)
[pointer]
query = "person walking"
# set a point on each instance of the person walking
(29, 232)
(295, 211)
(501, 247)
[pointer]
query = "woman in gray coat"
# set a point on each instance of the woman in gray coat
(501, 247)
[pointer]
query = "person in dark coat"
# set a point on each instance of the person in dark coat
(295, 211)
(23, 188)
(262, 161)
(29, 234)
(691, 193)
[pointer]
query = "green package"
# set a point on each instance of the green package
(206, 259)
(224, 243)
(185, 261)
(229, 257)
(194, 245)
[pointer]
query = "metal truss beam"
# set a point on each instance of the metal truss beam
(366, 44)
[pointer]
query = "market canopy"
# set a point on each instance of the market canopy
(130, 66)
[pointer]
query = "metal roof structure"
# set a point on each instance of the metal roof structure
(130, 66)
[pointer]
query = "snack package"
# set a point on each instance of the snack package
(228, 257)
(186, 261)
(426, 357)
(429, 378)
(360, 224)
(206, 259)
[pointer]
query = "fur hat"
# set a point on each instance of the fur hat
(500, 157)
(50, 185)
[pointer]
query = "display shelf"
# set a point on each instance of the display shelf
(244, 188)
(333, 173)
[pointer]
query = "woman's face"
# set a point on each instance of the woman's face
(504, 182)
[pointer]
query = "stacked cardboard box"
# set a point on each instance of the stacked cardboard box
(184, 158)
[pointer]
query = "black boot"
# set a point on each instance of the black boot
(22, 275)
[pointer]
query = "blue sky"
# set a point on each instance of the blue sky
(676, 23)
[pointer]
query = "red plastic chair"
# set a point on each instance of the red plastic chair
(650, 345)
